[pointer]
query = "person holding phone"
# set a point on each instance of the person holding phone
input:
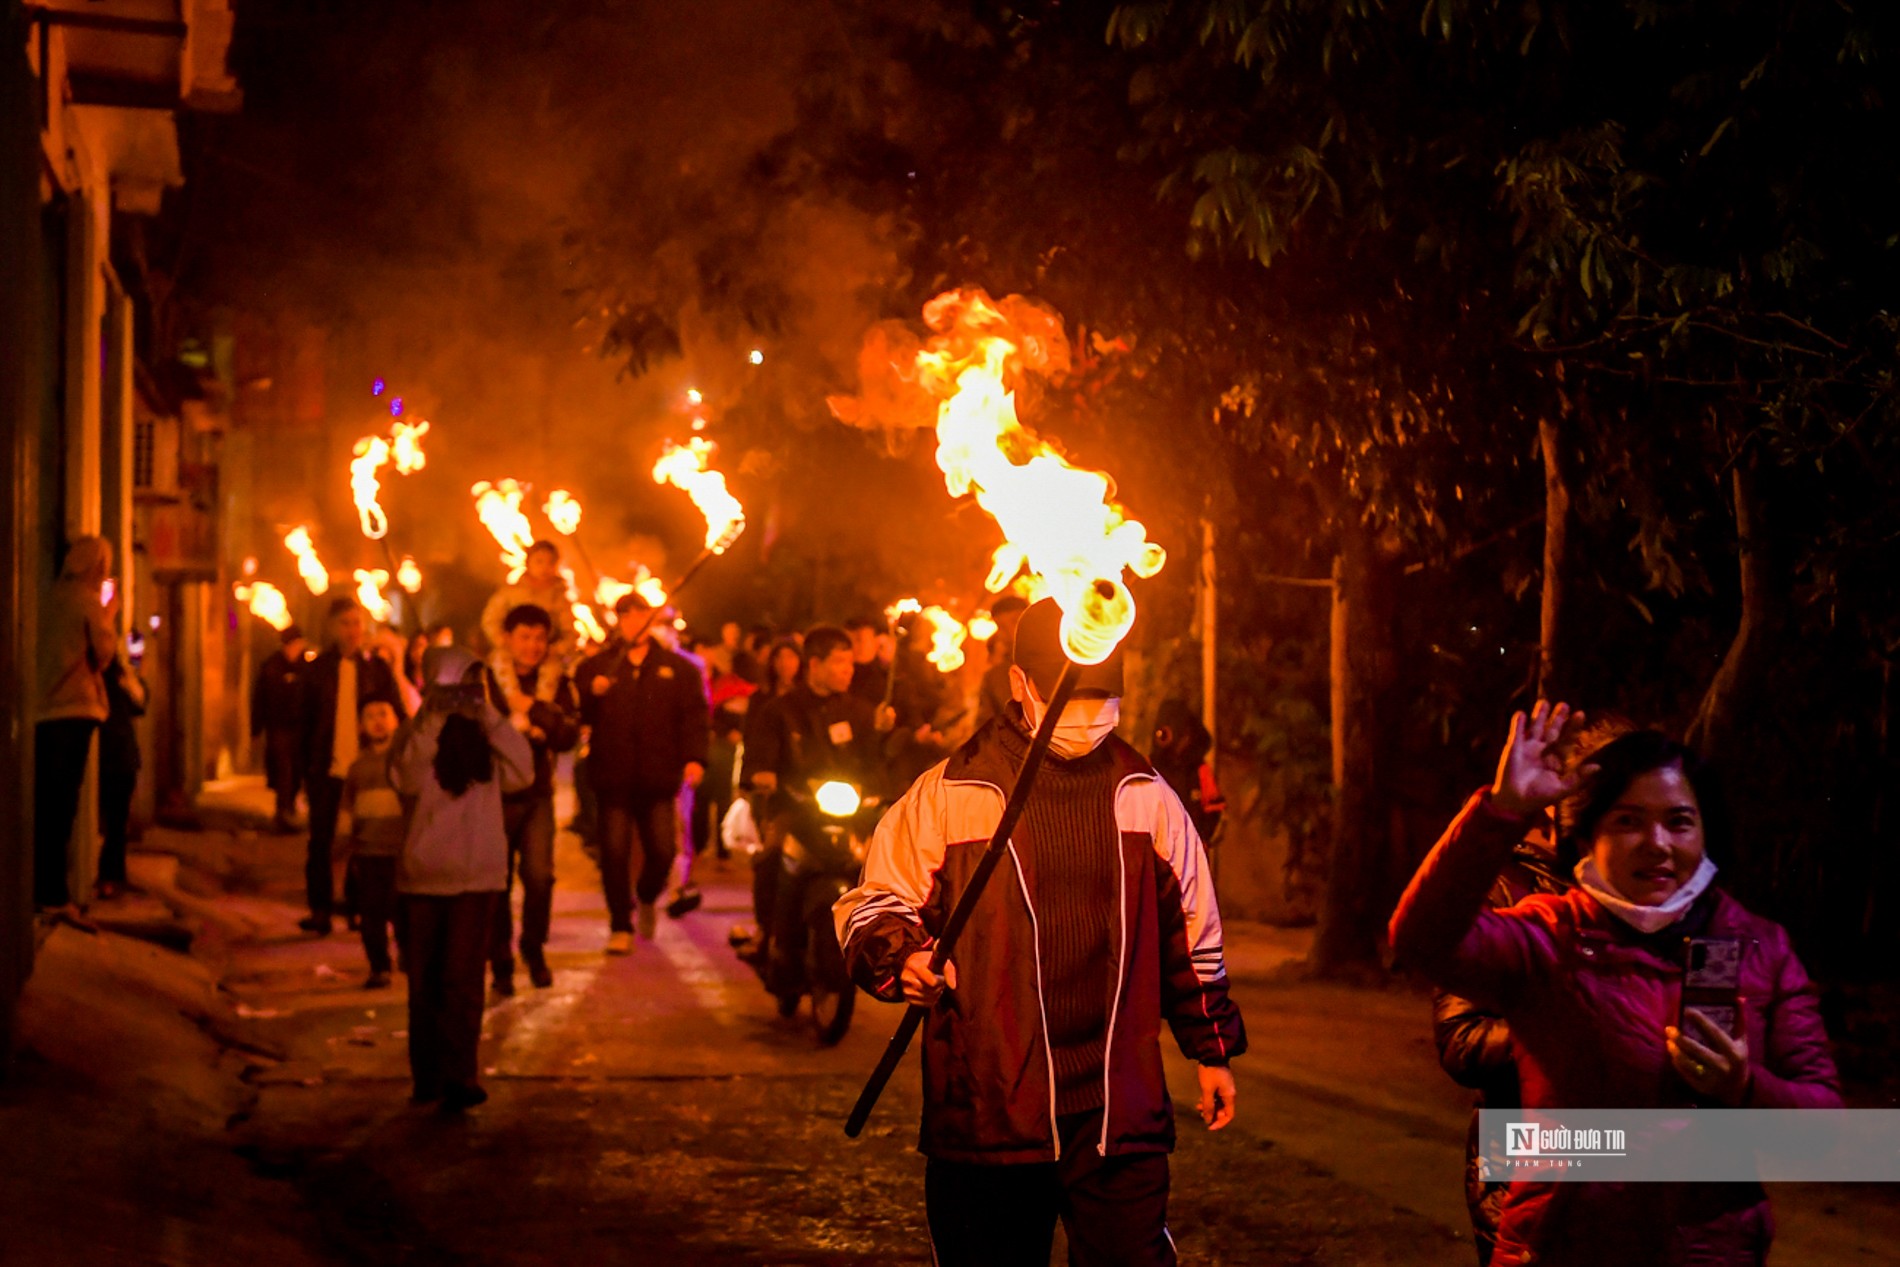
(1592, 983)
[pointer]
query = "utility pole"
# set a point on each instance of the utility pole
(1210, 643)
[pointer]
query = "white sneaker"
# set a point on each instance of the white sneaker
(646, 920)
(620, 944)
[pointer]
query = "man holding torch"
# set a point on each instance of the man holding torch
(1043, 1088)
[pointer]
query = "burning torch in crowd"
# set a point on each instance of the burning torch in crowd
(688, 467)
(266, 602)
(315, 576)
(1059, 523)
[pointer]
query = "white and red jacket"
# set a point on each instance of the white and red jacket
(989, 1081)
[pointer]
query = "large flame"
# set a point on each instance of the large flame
(266, 602)
(1059, 522)
(309, 566)
(499, 506)
(405, 446)
(688, 467)
(563, 512)
(947, 633)
(649, 587)
(373, 453)
(369, 592)
(585, 619)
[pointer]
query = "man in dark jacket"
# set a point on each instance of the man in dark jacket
(541, 703)
(277, 715)
(1474, 1046)
(335, 687)
(650, 725)
(1043, 1088)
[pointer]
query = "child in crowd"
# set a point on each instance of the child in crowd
(377, 826)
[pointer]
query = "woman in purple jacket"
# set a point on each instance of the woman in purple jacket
(1591, 980)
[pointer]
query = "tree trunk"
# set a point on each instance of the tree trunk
(1736, 684)
(1556, 669)
(1353, 908)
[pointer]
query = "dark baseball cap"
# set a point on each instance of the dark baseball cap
(1039, 654)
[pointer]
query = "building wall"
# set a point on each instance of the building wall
(22, 392)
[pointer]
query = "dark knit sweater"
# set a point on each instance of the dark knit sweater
(1071, 848)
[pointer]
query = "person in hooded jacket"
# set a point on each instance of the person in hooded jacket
(1590, 982)
(1043, 1088)
(453, 762)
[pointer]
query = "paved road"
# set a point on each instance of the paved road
(654, 1109)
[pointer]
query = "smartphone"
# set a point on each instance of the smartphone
(108, 590)
(1712, 982)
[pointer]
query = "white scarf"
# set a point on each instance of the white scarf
(1645, 919)
(547, 684)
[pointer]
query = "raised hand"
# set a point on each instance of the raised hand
(1531, 775)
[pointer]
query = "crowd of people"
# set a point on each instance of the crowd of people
(1552, 916)
(678, 747)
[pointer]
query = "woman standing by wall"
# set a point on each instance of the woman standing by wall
(78, 639)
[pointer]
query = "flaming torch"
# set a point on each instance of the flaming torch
(499, 507)
(369, 592)
(1059, 522)
(408, 575)
(372, 454)
(266, 602)
(688, 467)
(309, 566)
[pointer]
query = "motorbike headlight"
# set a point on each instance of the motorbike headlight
(837, 799)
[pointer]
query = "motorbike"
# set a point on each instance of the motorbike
(827, 830)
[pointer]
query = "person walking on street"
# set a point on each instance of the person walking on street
(78, 639)
(119, 765)
(649, 725)
(1043, 1088)
(336, 686)
(540, 703)
(377, 828)
(870, 674)
(277, 715)
(458, 758)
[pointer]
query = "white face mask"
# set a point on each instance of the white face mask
(1082, 727)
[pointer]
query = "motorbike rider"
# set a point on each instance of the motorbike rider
(819, 729)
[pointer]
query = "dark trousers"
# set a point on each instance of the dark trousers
(530, 825)
(653, 822)
(326, 797)
(446, 943)
(118, 780)
(60, 749)
(283, 767)
(376, 905)
(1115, 1209)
